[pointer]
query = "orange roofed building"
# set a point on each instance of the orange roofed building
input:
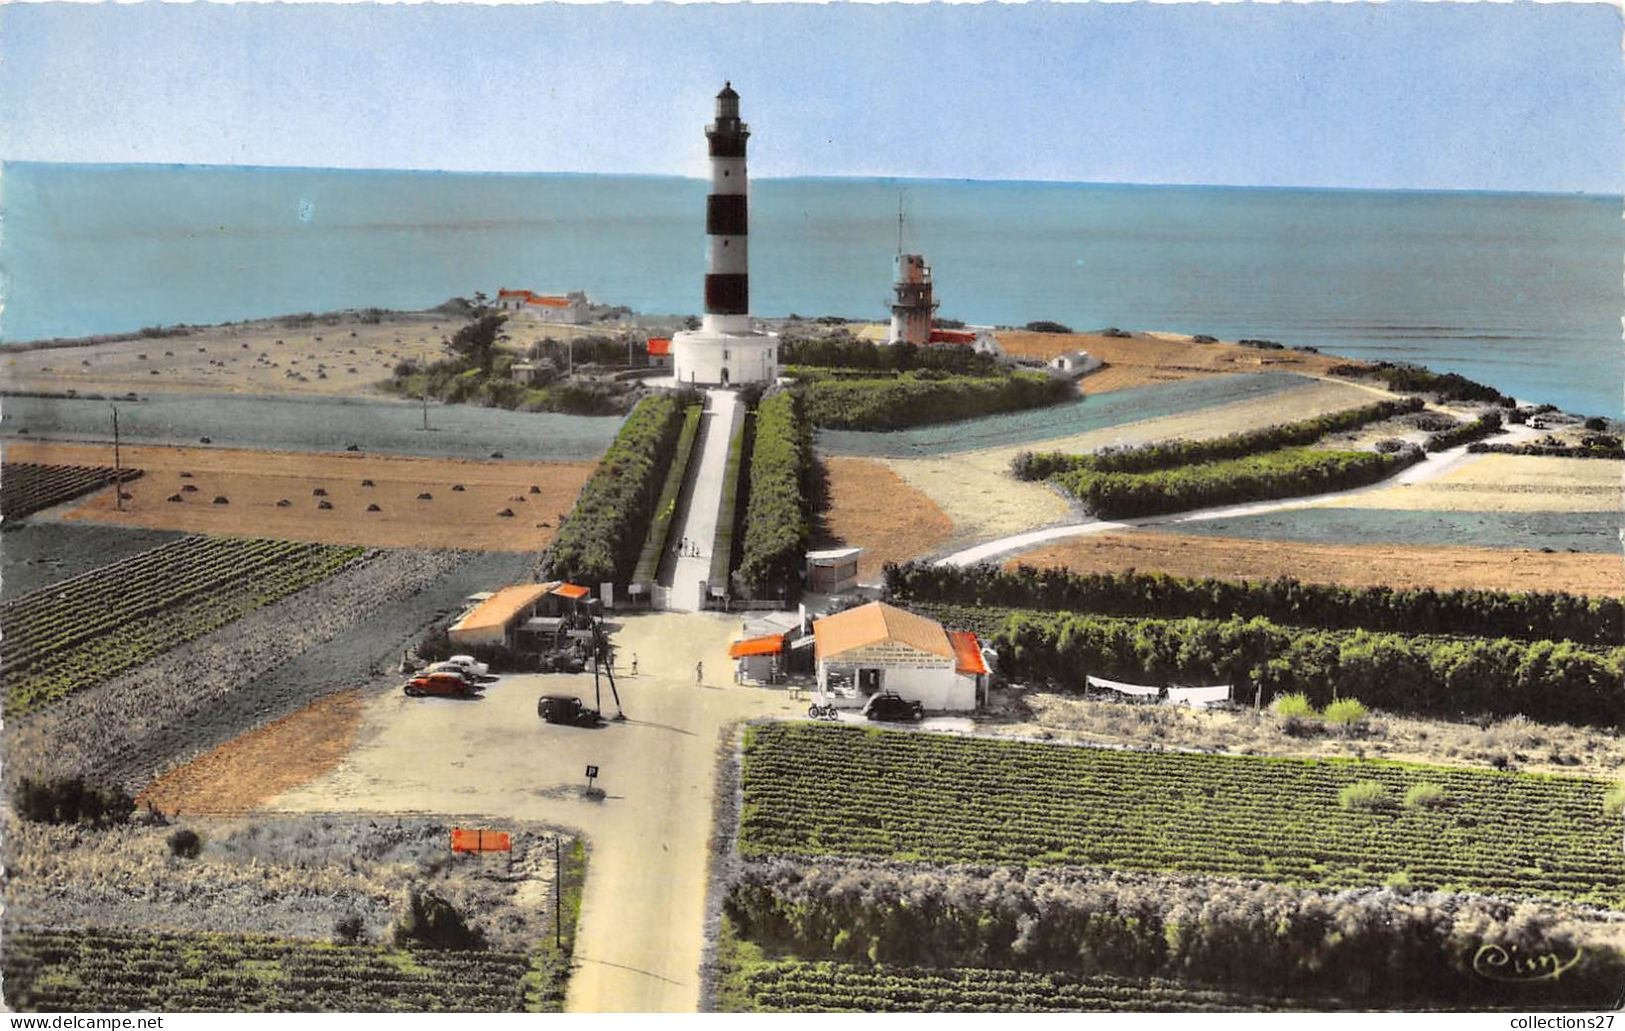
(572, 308)
(879, 647)
(498, 618)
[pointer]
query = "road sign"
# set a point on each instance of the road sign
(592, 771)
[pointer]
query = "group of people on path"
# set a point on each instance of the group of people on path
(689, 549)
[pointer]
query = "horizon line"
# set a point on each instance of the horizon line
(369, 170)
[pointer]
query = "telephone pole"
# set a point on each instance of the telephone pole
(118, 466)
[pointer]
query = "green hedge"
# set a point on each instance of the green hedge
(601, 539)
(1168, 454)
(916, 398)
(1485, 425)
(1288, 472)
(1555, 681)
(1553, 616)
(659, 535)
(778, 516)
(1613, 451)
(1414, 379)
(1365, 946)
(844, 352)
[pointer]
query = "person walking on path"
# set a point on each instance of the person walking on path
(699, 672)
(634, 664)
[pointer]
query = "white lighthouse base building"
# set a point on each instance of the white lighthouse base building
(724, 351)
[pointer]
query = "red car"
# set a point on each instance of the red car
(445, 684)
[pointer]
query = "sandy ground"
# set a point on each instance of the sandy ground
(641, 931)
(1351, 565)
(1144, 358)
(265, 357)
(285, 754)
(254, 481)
(984, 501)
(1510, 483)
(871, 507)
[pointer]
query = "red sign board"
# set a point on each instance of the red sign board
(464, 840)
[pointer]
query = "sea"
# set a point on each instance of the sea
(1521, 291)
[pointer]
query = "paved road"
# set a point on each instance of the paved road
(1002, 548)
(697, 523)
(642, 920)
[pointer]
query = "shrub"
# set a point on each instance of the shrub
(908, 400)
(1425, 796)
(601, 539)
(1293, 706)
(1389, 445)
(1046, 326)
(1535, 616)
(1414, 379)
(845, 352)
(778, 515)
(347, 929)
(1173, 453)
(1346, 712)
(659, 535)
(1363, 794)
(1613, 803)
(71, 800)
(185, 843)
(1289, 472)
(430, 921)
(1485, 425)
(1596, 422)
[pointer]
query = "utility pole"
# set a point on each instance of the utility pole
(424, 393)
(118, 466)
(899, 223)
(558, 892)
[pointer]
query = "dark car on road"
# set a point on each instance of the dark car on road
(893, 708)
(566, 709)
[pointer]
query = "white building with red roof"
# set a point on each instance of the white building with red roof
(571, 309)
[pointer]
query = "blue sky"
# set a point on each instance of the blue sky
(1406, 95)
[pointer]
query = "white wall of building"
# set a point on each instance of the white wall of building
(702, 358)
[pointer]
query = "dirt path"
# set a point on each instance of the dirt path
(697, 523)
(641, 930)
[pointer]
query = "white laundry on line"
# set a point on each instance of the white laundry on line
(1199, 697)
(1139, 690)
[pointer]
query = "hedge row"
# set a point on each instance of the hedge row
(1414, 379)
(845, 352)
(659, 535)
(734, 478)
(1485, 425)
(601, 539)
(1537, 616)
(1554, 681)
(1168, 454)
(1373, 946)
(914, 399)
(1288, 472)
(1615, 451)
(778, 516)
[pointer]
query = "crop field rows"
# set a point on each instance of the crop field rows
(816, 790)
(797, 986)
(27, 487)
(120, 971)
(79, 632)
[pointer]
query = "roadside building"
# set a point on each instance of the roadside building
(879, 647)
(757, 659)
(1075, 363)
(659, 351)
(832, 571)
(500, 617)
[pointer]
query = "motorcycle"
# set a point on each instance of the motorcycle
(822, 712)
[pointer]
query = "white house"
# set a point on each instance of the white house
(1075, 363)
(572, 309)
(879, 647)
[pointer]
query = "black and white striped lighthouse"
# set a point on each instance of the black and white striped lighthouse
(727, 222)
(725, 349)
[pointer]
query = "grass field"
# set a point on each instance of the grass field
(26, 487)
(100, 970)
(1509, 483)
(818, 790)
(1144, 358)
(80, 632)
(256, 482)
(1352, 565)
(1587, 532)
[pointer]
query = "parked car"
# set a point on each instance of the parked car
(453, 669)
(567, 709)
(468, 664)
(453, 685)
(888, 705)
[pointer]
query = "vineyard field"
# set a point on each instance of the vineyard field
(87, 629)
(120, 971)
(798, 986)
(818, 790)
(28, 487)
